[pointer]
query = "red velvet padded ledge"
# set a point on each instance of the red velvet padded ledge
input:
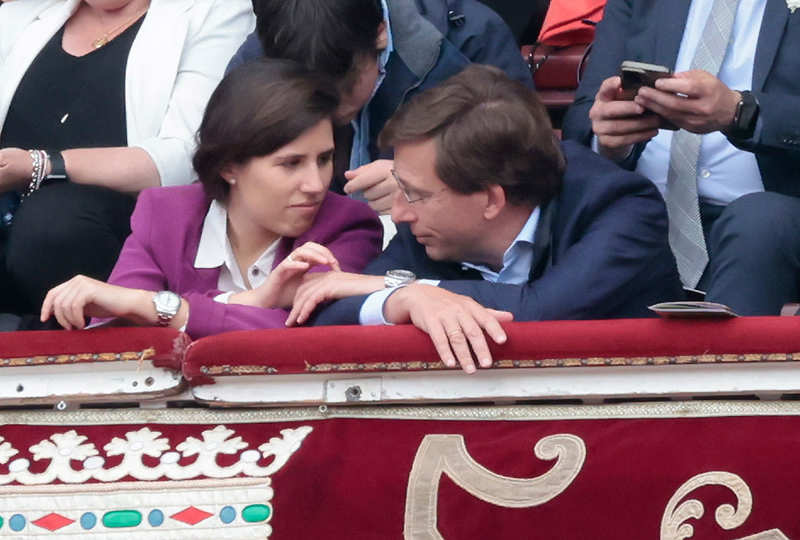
(164, 346)
(538, 344)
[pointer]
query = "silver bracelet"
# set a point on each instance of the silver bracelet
(39, 158)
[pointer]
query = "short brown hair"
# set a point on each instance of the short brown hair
(489, 130)
(256, 109)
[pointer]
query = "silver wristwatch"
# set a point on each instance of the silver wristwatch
(167, 304)
(396, 278)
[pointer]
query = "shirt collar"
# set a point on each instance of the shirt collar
(214, 251)
(518, 254)
(213, 247)
(526, 234)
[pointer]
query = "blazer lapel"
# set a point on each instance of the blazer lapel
(153, 66)
(39, 28)
(672, 15)
(543, 241)
(773, 25)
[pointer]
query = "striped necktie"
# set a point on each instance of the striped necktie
(685, 228)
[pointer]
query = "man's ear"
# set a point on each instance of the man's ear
(383, 37)
(495, 201)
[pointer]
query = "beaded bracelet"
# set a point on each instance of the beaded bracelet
(39, 159)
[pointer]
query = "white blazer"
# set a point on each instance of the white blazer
(176, 61)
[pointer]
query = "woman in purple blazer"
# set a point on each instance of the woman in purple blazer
(228, 253)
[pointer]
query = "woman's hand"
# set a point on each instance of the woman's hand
(278, 290)
(16, 167)
(319, 288)
(81, 297)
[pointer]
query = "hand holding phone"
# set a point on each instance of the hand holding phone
(634, 75)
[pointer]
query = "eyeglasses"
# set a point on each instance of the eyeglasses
(411, 195)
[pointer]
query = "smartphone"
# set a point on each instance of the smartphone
(637, 74)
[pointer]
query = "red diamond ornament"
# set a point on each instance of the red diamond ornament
(53, 522)
(191, 515)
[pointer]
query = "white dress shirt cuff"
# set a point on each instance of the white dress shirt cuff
(223, 298)
(371, 312)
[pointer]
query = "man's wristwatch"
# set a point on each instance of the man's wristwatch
(167, 304)
(396, 278)
(745, 118)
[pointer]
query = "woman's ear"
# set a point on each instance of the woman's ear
(495, 201)
(229, 173)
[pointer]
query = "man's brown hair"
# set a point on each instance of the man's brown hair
(489, 129)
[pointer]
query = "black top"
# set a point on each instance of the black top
(66, 101)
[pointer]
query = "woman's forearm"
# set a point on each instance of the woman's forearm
(125, 169)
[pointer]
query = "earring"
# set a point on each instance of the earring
(232, 181)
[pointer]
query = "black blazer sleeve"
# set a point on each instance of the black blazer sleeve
(607, 54)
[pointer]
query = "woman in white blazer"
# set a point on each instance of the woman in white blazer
(143, 72)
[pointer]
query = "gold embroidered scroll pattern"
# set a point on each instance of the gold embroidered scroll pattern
(448, 454)
(673, 526)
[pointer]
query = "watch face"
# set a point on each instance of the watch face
(395, 278)
(167, 302)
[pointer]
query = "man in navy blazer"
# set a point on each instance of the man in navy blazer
(749, 116)
(497, 220)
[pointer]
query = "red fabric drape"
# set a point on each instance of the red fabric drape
(563, 23)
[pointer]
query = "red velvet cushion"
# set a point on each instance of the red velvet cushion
(530, 344)
(165, 346)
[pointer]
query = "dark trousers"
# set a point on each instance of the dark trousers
(62, 230)
(754, 253)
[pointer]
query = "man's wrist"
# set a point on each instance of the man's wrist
(616, 155)
(395, 308)
(746, 109)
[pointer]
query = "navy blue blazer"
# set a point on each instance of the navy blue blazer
(651, 31)
(601, 251)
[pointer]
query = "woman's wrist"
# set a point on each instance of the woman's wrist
(141, 310)
(252, 297)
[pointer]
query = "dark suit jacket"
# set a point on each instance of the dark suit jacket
(651, 31)
(601, 251)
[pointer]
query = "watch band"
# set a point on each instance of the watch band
(58, 170)
(745, 118)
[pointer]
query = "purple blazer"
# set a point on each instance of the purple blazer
(165, 234)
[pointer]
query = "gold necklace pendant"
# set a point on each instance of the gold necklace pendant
(105, 38)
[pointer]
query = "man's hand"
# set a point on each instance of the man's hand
(375, 180)
(319, 288)
(455, 323)
(705, 103)
(618, 123)
(16, 167)
(81, 297)
(279, 289)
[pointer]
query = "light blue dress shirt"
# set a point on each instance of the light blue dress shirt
(517, 262)
(724, 173)
(359, 155)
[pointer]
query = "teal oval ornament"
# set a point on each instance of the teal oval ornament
(256, 512)
(120, 519)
